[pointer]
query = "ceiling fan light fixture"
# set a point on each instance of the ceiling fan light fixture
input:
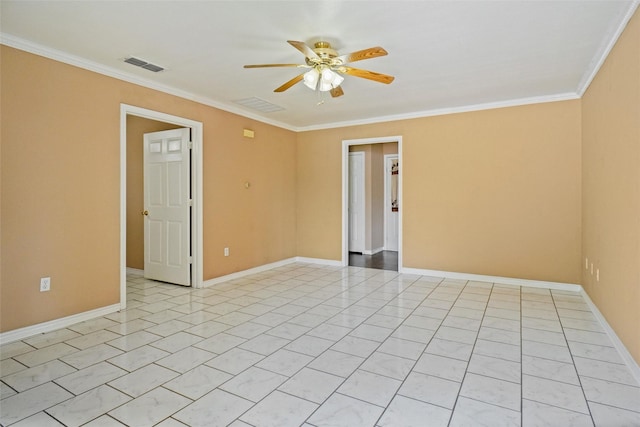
(322, 79)
(337, 80)
(311, 78)
(330, 79)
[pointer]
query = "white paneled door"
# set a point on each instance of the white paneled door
(167, 241)
(356, 202)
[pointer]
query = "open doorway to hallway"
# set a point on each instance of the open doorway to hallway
(373, 217)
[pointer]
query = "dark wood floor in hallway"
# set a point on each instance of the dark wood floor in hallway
(384, 260)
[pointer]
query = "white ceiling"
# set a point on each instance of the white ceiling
(446, 55)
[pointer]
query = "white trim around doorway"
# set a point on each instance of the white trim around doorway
(196, 191)
(346, 143)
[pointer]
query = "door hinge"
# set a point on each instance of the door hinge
(190, 260)
(190, 145)
(190, 202)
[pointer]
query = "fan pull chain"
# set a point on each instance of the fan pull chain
(321, 97)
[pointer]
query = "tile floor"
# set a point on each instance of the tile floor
(304, 345)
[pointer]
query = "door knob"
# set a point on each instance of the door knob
(145, 213)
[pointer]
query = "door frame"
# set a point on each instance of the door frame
(196, 191)
(346, 143)
(363, 213)
(387, 199)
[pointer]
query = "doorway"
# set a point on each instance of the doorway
(195, 178)
(374, 255)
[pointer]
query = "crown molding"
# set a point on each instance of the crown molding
(605, 49)
(37, 49)
(451, 110)
(66, 58)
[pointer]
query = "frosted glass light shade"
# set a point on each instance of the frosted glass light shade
(322, 81)
(311, 78)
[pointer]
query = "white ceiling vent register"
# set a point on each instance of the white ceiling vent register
(259, 104)
(143, 64)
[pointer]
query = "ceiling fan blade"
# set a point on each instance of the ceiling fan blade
(273, 65)
(336, 92)
(371, 75)
(306, 50)
(372, 52)
(290, 83)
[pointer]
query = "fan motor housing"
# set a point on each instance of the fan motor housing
(326, 54)
(324, 50)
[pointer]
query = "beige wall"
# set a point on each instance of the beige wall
(61, 187)
(493, 192)
(390, 148)
(136, 128)
(611, 187)
(59, 214)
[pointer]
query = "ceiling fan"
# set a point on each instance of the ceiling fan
(326, 67)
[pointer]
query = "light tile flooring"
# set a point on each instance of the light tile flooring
(323, 346)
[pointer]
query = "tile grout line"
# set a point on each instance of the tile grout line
(466, 370)
(366, 358)
(290, 341)
(305, 334)
(315, 357)
(426, 344)
(573, 362)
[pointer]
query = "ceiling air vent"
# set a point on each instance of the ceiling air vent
(259, 104)
(143, 64)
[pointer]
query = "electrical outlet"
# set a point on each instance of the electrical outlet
(226, 251)
(45, 284)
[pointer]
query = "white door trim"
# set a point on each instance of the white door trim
(361, 204)
(346, 143)
(387, 197)
(196, 191)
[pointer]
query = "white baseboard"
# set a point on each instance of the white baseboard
(265, 267)
(620, 347)
(28, 331)
(494, 279)
(135, 271)
(622, 350)
(18, 334)
(243, 273)
(320, 261)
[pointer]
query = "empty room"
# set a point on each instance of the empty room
(320, 213)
